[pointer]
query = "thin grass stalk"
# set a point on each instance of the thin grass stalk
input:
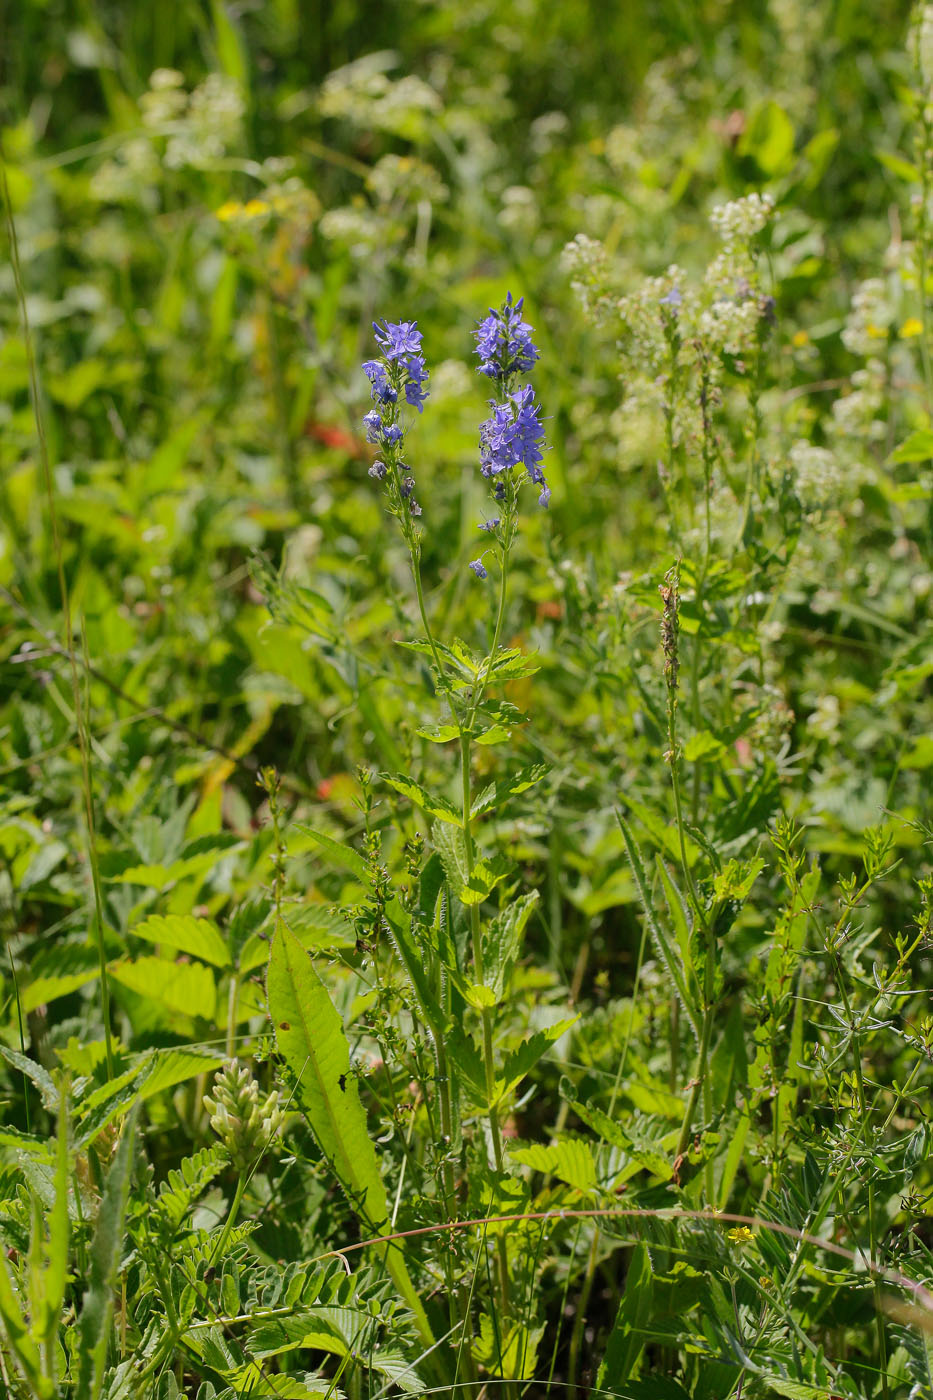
(82, 731)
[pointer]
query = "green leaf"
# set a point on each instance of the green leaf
(570, 1160)
(769, 139)
(440, 733)
(918, 447)
(39, 1076)
(310, 1035)
(502, 942)
(702, 745)
(506, 1348)
(497, 793)
(486, 875)
(666, 949)
(199, 938)
(434, 806)
(106, 1247)
(522, 1060)
(55, 1279)
(511, 664)
(451, 847)
(903, 169)
(339, 853)
(626, 1340)
(186, 988)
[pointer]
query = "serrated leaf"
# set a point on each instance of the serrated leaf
(97, 1307)
(497, 793)
(37, 1073)
(523, 1059)
(186, 988)
(512, 664)
(486, 875)
(450, 845)
(502, 941)
(199, 938)
(570, 1160)
(435, 806)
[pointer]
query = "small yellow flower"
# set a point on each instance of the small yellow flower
(228, 211)
(800, 339)
(876, 332)
(911, 327)
(740, 1235)
(255, 207)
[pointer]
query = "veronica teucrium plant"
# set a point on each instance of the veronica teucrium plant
(511, 442)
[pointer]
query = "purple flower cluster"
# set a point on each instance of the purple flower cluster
(512, 436)
(399, 370)
(503, 342)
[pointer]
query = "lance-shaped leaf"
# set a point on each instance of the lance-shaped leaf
(311, 1038)
(97, 1309)
(665, 946)
(310, 1035)
(627, 1338)
(434, 805)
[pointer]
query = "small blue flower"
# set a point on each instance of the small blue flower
(415, 393)
(479, 568)
(373, 421)
(545, 498)
(378, 471)
(490, 525)
(398, 338)
(392, 433)
(674, 299)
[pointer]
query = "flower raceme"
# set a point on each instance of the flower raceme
(503, 342)
(511, 439)
(400, 370)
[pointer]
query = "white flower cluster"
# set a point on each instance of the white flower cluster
(362, 92)
(856, 415)
(201, 127)
(585, 260)
(198, 128)
(738, 221)
(407, 178)
(817, 476)
(869, 319)
(642, 316)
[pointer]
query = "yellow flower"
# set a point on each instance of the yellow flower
(911, 327)
(800, 339)
(228, 211)
(740, 1235)
(876, 332)
(254, 207)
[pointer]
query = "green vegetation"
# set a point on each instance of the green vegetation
(444, 960)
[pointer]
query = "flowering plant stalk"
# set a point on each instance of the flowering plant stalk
(510, 444)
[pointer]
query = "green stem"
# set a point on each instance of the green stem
(230, 1221)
